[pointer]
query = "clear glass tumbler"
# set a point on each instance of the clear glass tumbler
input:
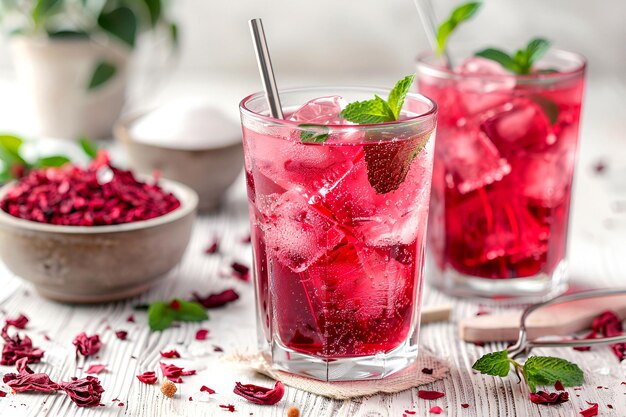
(338, 218)
(502, 178)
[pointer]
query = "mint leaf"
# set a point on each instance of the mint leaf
(10, 146)
(398, 94)
(52, 161)
(90, 149)
(103, 72)
(314, 133)
(368, 112)
(496, 364)
(536, 49)
(190, 311)
(160, 316)
(549, 107)
(459, 15)
(45, 8)
(546, 370)
(120, 23)
(501, 57)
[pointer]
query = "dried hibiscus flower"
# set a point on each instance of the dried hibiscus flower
(204, 388)
(430, 395)
(213, 248)
(148, 377)
(542, 397)
(216, 300)
(170, 354)
(85, 392)
(19, 323)
(202, 334)
(87, 345)
(260, 395)
(121, 334)
(607, 324)
(240, 271)
(591, 411)
(16, 348)
(174, 373)
(27, 380)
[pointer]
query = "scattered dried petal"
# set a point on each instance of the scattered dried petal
(558, 385)
(218, 349)
(410, 412)
(607, 324)
(260, 395)
(216, 300)
(95, 369)
(590, 335)
(148, 377)
(430, 395)
(121, 334)
(168, 388)
(15, 348)
(174, 373)
(542, 397)
(228, 407)
(20, 322)
(213, 248)
(202, 334)
(85, 392)
(465, 405)
(246, 239)
(130, 319)
(204, 388)
(427, 371)
(599, 167)
(590, 412)
(175, 304)
(240, 271)
(170, 354)
(87, 345)
(435, 410)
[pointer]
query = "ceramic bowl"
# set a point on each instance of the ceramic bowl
(210, 172)
(92, 264)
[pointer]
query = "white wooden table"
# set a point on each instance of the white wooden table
(597, 254)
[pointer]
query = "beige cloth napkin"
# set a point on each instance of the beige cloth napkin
(403, 380)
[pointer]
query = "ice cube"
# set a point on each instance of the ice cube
(471, 160)
(485, 84)
(485, 226)
(292, 164)
(520, 125)
(321, 111)
(296, 233)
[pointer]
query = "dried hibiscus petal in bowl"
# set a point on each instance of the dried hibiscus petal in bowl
(98, 195)
(260, 395)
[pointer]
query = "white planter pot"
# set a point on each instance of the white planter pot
(55, 75)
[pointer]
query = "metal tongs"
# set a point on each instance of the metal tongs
(523, 346)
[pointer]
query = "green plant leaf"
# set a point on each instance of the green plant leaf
(68, 34)
(44, 8)
(160, 316)
(549, 107)
(120, 23)
(90, 148)
(10, 146)
(536, 49)
(174, 36)
(500, 57)
(546, 370)
(190, 311)
(103, 72)
(370, 111)
(459, 15)
(52, 161)
(154, 7)
(496, 364)
(398, 94)
(313, 133)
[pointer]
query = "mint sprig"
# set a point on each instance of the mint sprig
(162, 314)
(538, 370)
(459, 15)
(313, 133)
(378, 110)
(523, 60)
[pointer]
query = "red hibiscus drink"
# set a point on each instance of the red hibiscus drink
(503, 173)
(338, 214)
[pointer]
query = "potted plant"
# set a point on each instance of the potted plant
(72, 58)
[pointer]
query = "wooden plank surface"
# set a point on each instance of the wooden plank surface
(597, 254)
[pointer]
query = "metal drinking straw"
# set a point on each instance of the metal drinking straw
(265, 68)
(427, 15)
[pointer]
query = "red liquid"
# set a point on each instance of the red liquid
(338, 265)
(502, 178)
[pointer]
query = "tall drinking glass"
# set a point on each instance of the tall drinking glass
(338, 218)
(503, 171)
